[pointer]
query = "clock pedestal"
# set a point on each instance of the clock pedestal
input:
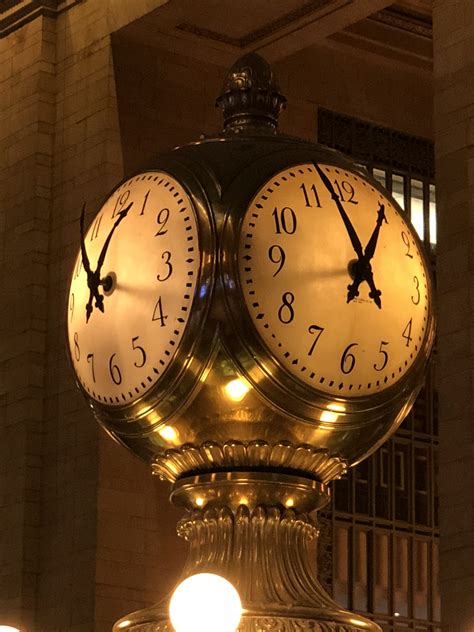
(256, 530)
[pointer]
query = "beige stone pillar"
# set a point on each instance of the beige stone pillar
(74, 507)
(454, 138)
(26, 145)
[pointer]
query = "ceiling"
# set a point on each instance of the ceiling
(221, 30)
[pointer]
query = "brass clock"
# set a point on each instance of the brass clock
(137, 277)
(334, 280)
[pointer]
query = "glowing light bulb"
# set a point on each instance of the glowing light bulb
(237, 389)
(8, 628)
(205, 603)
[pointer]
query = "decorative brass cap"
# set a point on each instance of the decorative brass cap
(251, 97)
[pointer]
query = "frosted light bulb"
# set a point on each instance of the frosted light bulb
(8, 628)
(205, 603)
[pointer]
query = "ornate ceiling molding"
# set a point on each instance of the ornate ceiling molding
(267, 30)
(16, 13)
(397, 18)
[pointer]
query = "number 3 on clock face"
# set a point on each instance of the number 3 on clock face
(334, 280)
(152, 259)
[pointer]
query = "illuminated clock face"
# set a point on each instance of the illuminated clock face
(334, 280)
(132, 288)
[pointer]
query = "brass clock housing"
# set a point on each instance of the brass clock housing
(221, 344)
(191, 355)
(249, 444)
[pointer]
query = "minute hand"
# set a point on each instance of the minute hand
(355, 241)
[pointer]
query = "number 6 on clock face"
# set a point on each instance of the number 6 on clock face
(334, 280)
(149, 233)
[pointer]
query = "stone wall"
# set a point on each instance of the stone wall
(454, 124)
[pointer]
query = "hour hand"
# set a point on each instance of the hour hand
(370, 248)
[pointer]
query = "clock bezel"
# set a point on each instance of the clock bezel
(259, 365)
(173, 389)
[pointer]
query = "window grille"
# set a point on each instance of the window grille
(382, 555)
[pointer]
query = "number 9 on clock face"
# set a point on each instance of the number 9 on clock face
(334, 280)
(149, 259)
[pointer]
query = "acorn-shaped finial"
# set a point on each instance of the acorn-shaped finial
(251, 98)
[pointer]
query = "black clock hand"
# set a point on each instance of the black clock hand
(85, 258)
(93, 277)
(85, 262)
(363, 269)
(355, 241)
(370, 248)
(103, 252)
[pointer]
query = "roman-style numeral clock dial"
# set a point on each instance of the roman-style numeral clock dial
(334, 280)
(132, 288)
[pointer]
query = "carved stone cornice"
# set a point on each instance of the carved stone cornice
(415, 24)
(270, 28)
(16, 13)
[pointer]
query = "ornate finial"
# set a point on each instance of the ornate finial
(251, 96)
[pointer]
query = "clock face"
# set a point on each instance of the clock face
(334, 280)
(144, 242)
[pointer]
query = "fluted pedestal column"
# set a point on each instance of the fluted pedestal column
(255, 529)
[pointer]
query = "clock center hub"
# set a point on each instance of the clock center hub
(109, 283)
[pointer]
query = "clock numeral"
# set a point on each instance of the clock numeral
(407, 332)
(285, 220)
(406, 241)
(348, 359)
(385, 357)
(416, 300)
(308, 198)
(286, 312)
(346, 191)
(90, 360)
(71, 306)
(166, 256)
(158, 313)
(317, 330)
(144, 202)
(77, 350)
(114, 370)
(141, 350)
(120, 202)
(276, 254)
(95, 228)
(161, 220)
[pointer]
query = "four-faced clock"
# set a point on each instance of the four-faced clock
(132, 288)
(334, 280)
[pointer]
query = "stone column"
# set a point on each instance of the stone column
(454, 143)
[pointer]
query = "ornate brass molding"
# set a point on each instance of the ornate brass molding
(212, 456)
(263, 624)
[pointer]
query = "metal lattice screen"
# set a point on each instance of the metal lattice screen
(379, 550)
